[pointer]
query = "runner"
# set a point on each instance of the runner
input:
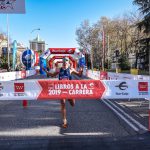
(65, 73)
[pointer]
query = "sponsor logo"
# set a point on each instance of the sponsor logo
(122, 86)
(20, 94)
(51, 86)
(70, 51)
(91, 85)
(23, 74)
(19, 87)
(58, 51)
(46, 53)
(62, 51)
(143, 88)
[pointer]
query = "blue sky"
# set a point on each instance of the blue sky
(58, 19)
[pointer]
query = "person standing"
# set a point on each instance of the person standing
(65, 73)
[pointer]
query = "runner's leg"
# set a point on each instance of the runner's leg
(72, 102)
(63, 111)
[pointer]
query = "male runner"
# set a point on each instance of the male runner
(65, 73)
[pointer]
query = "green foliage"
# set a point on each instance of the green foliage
(39, 52)
(4, 62)
(124, 62)
(144, 7)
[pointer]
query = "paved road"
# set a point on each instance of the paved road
(138, 108)
(91, 126)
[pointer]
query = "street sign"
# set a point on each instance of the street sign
(12, 6)
(27, 58)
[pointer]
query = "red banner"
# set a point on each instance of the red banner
(62, 50)
(23, 74)
(36, 58)
(66, 89)
(103, 75)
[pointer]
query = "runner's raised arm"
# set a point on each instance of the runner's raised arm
(51, 74)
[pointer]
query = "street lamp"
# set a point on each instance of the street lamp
(102, 36)
(8, 48)
(35, 30)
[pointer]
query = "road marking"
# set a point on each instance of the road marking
(128, 116)
(84, 133)
(121, 116)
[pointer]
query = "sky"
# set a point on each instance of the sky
(59, 19)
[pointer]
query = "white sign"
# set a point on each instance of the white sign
(12, 6)
(125, 89)
(8, 76)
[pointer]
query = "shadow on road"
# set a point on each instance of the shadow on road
(39, 127)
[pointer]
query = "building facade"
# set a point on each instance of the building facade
(37, 44)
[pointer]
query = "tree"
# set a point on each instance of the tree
(124, 62)
(2, 38)
(83, 35)
(144, 27)
(84, 38)
(144, 7)
(3, 60)
(119, 34)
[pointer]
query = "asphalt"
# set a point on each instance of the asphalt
(91, 126)
(140, 142)
(138, 108)
(43, 119)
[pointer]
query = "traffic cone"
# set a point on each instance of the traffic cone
(25, 103)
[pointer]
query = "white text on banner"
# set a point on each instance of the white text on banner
(78, 89)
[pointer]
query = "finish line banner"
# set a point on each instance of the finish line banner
(12, 6)
(78, 89)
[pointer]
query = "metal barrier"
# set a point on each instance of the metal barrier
(8, 76)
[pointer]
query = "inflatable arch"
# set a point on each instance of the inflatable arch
(57, 54)
(52, 60)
